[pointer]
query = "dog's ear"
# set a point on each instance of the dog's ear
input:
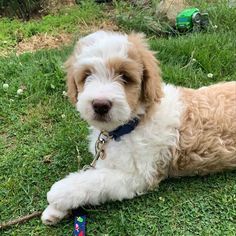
(151, 81)
(70, 79)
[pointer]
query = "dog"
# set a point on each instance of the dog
(144, 130)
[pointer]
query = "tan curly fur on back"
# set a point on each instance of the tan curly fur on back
(207, 141)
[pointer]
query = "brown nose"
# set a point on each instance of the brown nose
(101, 106)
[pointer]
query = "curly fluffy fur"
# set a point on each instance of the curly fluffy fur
(181, 131)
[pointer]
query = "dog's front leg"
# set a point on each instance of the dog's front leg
(93, 186)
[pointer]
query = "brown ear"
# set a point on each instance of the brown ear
(151, 82)
(72, 88)
(70, 77)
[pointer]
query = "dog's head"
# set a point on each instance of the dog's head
(113, 77)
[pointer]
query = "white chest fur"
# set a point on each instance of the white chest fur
(148, 146)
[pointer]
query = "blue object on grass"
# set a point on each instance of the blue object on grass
(79, 222)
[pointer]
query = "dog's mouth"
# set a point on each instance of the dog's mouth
(102, 118)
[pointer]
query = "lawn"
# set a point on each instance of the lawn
(42, 137)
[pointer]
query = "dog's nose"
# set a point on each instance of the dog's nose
(101, 106)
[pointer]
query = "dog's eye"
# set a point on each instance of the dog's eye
(86, 75)
(125, 78)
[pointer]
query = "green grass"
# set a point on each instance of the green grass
(33, 130)
(67, 20)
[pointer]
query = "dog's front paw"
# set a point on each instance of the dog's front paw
(51, 215)
(67, 193)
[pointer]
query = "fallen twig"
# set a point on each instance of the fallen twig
(20, 220)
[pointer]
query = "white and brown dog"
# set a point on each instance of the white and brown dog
(155, 130)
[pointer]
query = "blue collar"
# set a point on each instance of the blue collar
(124, 129)
(104, 137)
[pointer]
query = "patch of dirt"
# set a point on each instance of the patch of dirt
(8, 142)
(105, 25)
(42, 41)
(46, 41)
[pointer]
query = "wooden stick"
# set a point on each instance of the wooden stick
(20, 220)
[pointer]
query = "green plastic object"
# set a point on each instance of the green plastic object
(186, 19)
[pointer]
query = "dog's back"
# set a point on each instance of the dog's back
(208, 132)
